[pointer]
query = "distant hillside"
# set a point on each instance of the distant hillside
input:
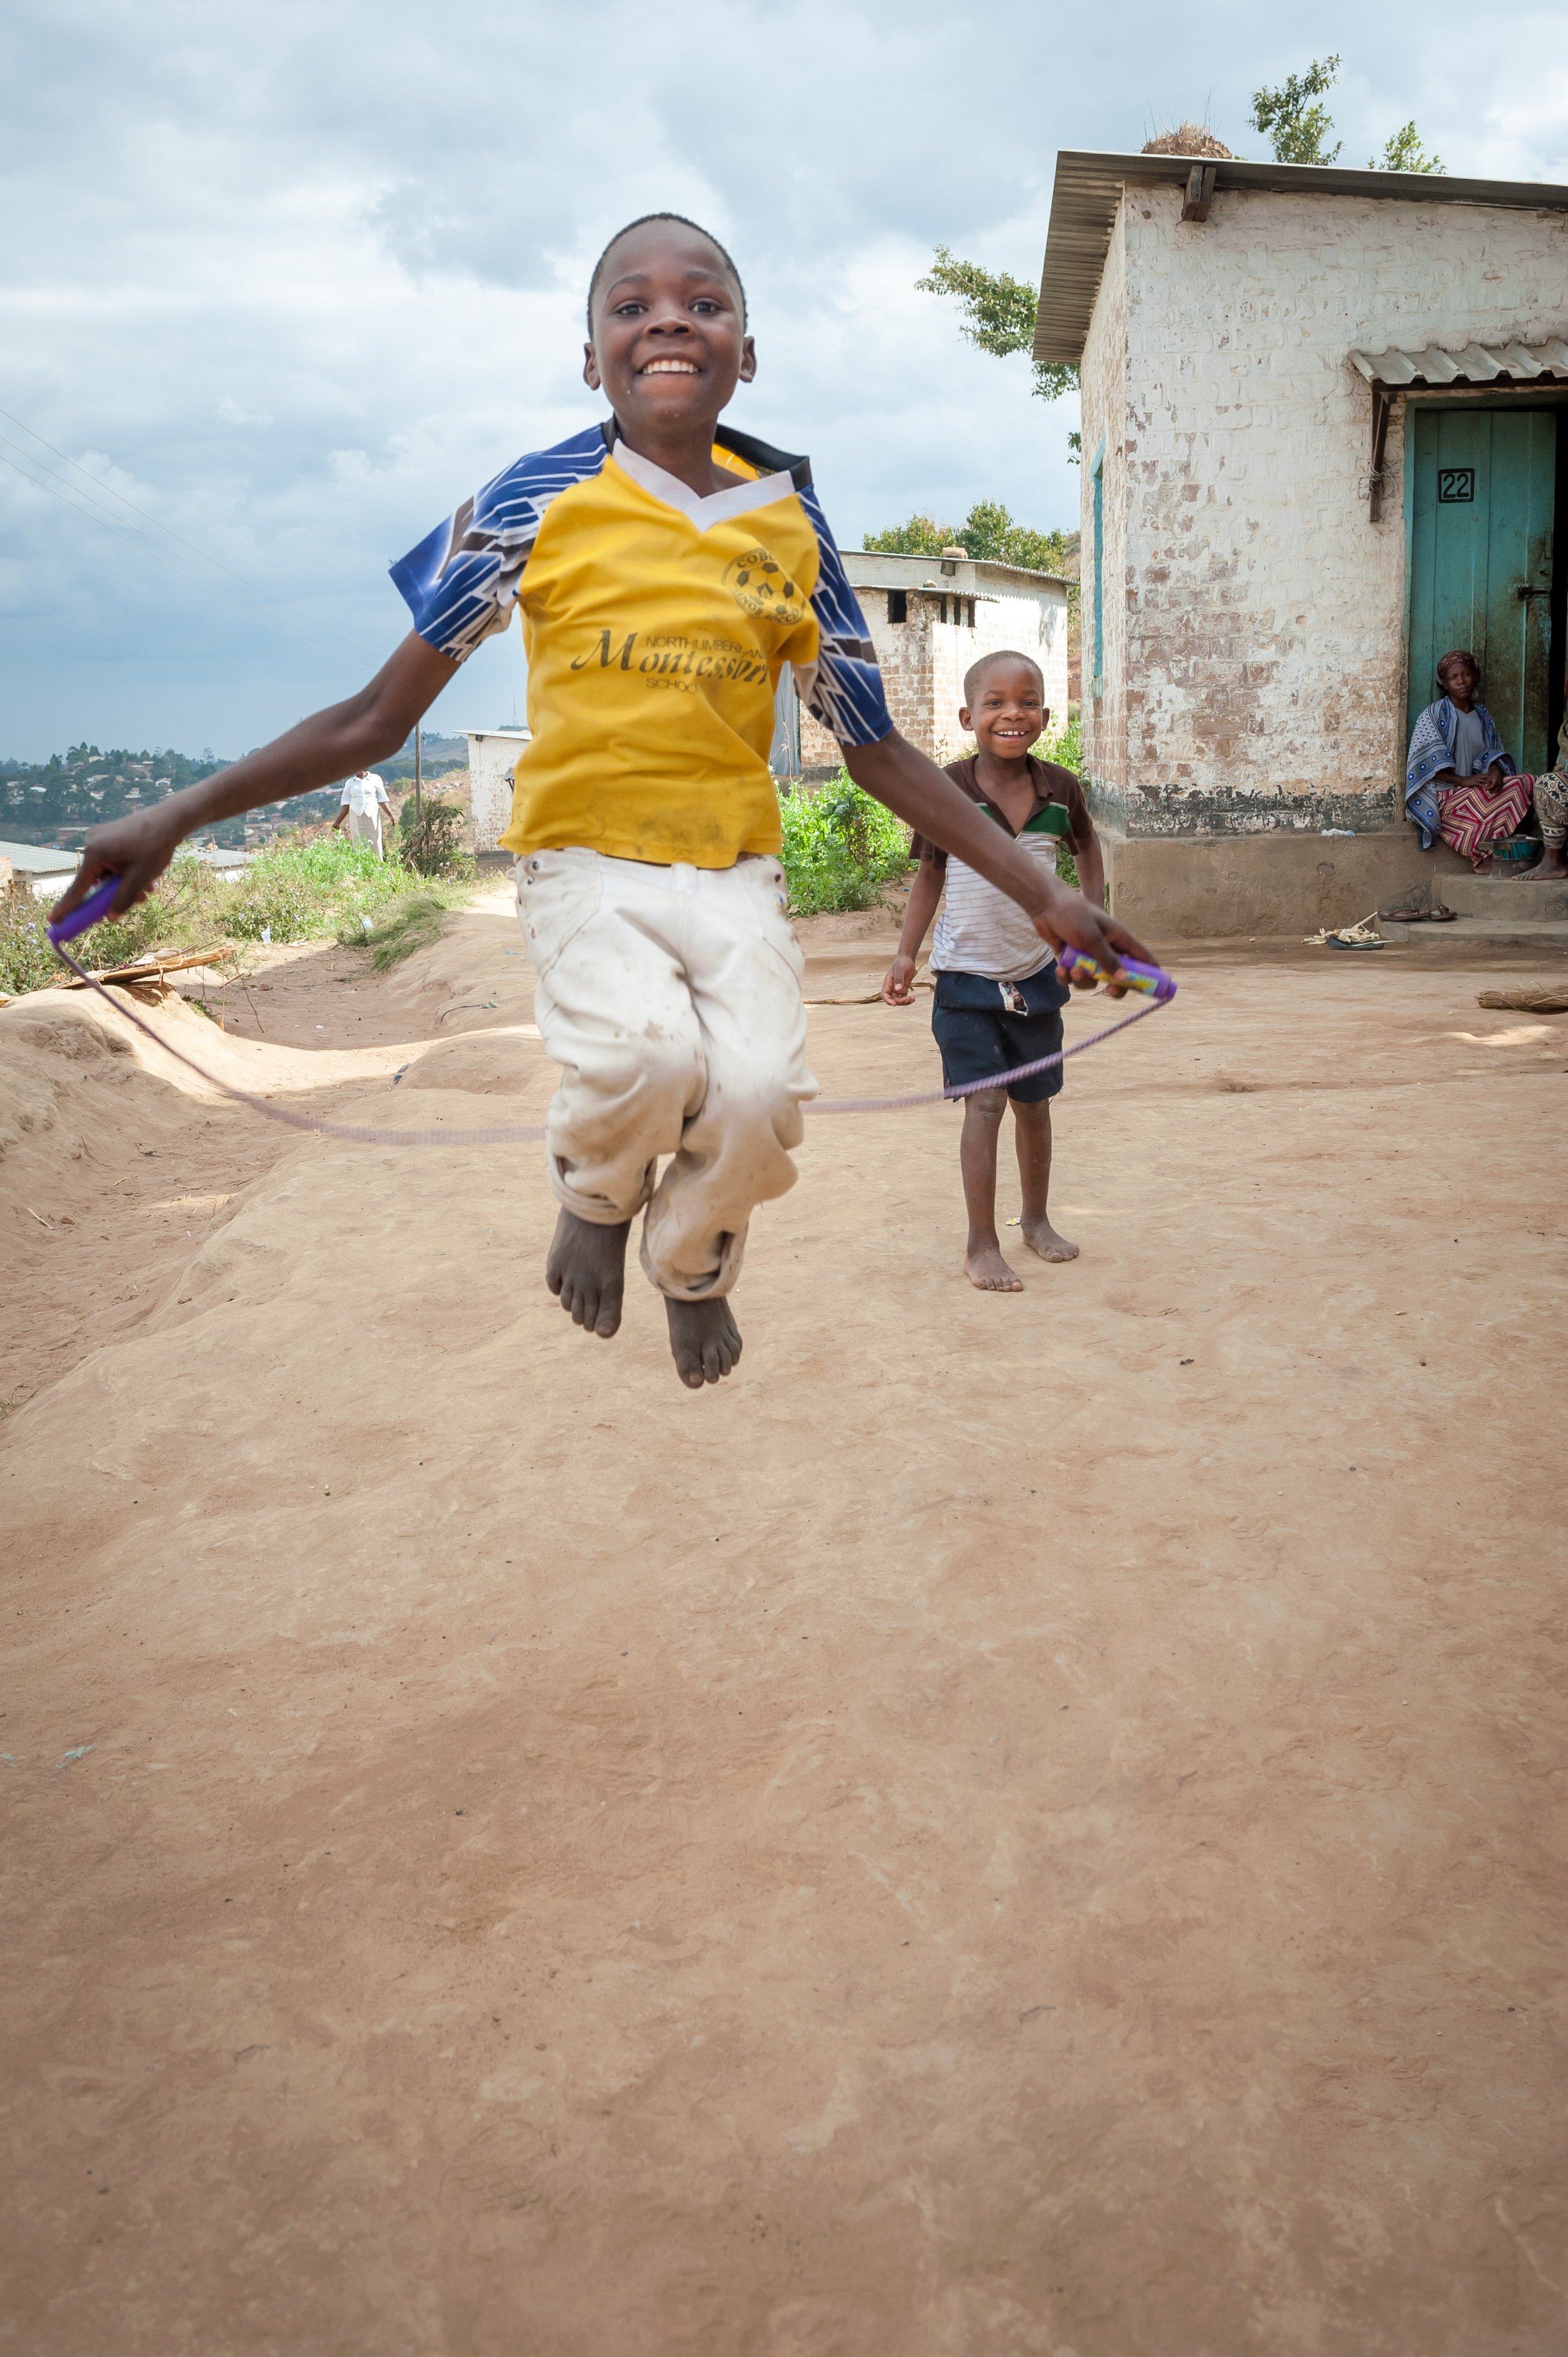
(59, 800)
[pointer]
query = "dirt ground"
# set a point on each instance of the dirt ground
(1018, 1825)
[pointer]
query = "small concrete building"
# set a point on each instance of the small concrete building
(928, 617)
(1325, 438)
(492, 758)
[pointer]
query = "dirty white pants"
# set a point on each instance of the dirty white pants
(670, 997)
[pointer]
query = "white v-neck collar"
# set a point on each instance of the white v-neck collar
(716, 507)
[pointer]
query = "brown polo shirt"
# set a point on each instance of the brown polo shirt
(1059, 807)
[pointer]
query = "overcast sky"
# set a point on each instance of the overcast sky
(295, 278)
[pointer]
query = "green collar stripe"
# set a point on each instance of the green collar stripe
(1052, 820)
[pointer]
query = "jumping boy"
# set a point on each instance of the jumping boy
(666, 570)
(998, 995)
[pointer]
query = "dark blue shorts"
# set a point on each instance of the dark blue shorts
(980, 1036)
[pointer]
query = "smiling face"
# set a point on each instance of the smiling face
(1009, 709)
(669, 343)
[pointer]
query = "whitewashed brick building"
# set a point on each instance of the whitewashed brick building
(928, 617)
(1324, 437)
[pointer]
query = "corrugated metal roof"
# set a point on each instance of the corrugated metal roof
(1089, 188)
(887, 568)
(1474, 364)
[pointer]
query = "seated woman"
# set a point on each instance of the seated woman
(1459, 781)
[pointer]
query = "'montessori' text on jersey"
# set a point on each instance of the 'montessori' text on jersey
(656, 624)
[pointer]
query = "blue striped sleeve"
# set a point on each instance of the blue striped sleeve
(460, 585)
(845, 692)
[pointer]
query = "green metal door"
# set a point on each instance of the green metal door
(1484, 483)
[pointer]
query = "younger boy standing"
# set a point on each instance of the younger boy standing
(998, 994)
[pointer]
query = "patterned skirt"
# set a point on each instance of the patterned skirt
(1472, 819)
(1552, 807)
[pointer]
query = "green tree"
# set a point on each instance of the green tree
(1292, 121)
(1403, 153)
(988, 532)
(921, 536)
(1000, 313)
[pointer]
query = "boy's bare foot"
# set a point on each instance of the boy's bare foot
(988, 1270)
(704, 1338)
(585, 1269)
(1041, 1237)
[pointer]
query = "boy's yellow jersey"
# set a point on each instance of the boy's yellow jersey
(656, 624)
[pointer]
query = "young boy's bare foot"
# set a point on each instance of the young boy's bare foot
(585, 1269)
(985, 1268)
(704, 1338)
(1041, 1237)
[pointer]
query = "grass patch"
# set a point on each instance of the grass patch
(415, 924)
(313, 886)
(26, 961)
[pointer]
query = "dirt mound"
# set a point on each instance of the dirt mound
(1017, 1824)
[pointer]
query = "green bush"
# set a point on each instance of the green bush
(309, 888)
(1066, 745)
(304, 891)
(429, 839)
(26, 961)
(1067, 749)
(184, 908)
(840, 847)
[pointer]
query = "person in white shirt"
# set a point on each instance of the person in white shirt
(364, 799)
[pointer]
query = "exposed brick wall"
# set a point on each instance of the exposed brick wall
(924, 659)
(1254, 667)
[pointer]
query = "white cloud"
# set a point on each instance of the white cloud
(296, 277)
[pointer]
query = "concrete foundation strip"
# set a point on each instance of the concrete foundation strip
(364, 1135)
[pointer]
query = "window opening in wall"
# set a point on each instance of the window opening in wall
(944, 610)
(897, 605)
(1098, 608)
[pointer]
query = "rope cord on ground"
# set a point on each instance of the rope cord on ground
(362, 1135)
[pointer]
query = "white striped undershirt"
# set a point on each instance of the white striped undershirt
(980, 931)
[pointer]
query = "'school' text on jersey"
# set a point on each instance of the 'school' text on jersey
(657, 623)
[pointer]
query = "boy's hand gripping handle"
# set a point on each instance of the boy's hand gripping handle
(1152, 980)
(91, 911)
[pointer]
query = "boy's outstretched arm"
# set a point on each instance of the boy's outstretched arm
(332, 744)
(925, 892)
(917, 790)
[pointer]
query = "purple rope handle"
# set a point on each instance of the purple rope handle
(363, 1135)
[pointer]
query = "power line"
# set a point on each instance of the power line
(113, 494)
(139, 539)
(123, 531)
(117, 523)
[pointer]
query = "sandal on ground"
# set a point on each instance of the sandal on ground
(1443, 916)
(1405, 916)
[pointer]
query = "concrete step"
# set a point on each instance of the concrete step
(1503, 898)
(1467, 935)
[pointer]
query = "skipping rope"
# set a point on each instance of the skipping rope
(1158, 987)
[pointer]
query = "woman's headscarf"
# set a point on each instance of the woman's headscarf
(1456, 654)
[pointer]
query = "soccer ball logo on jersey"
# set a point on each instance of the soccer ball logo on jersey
(759, 584)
